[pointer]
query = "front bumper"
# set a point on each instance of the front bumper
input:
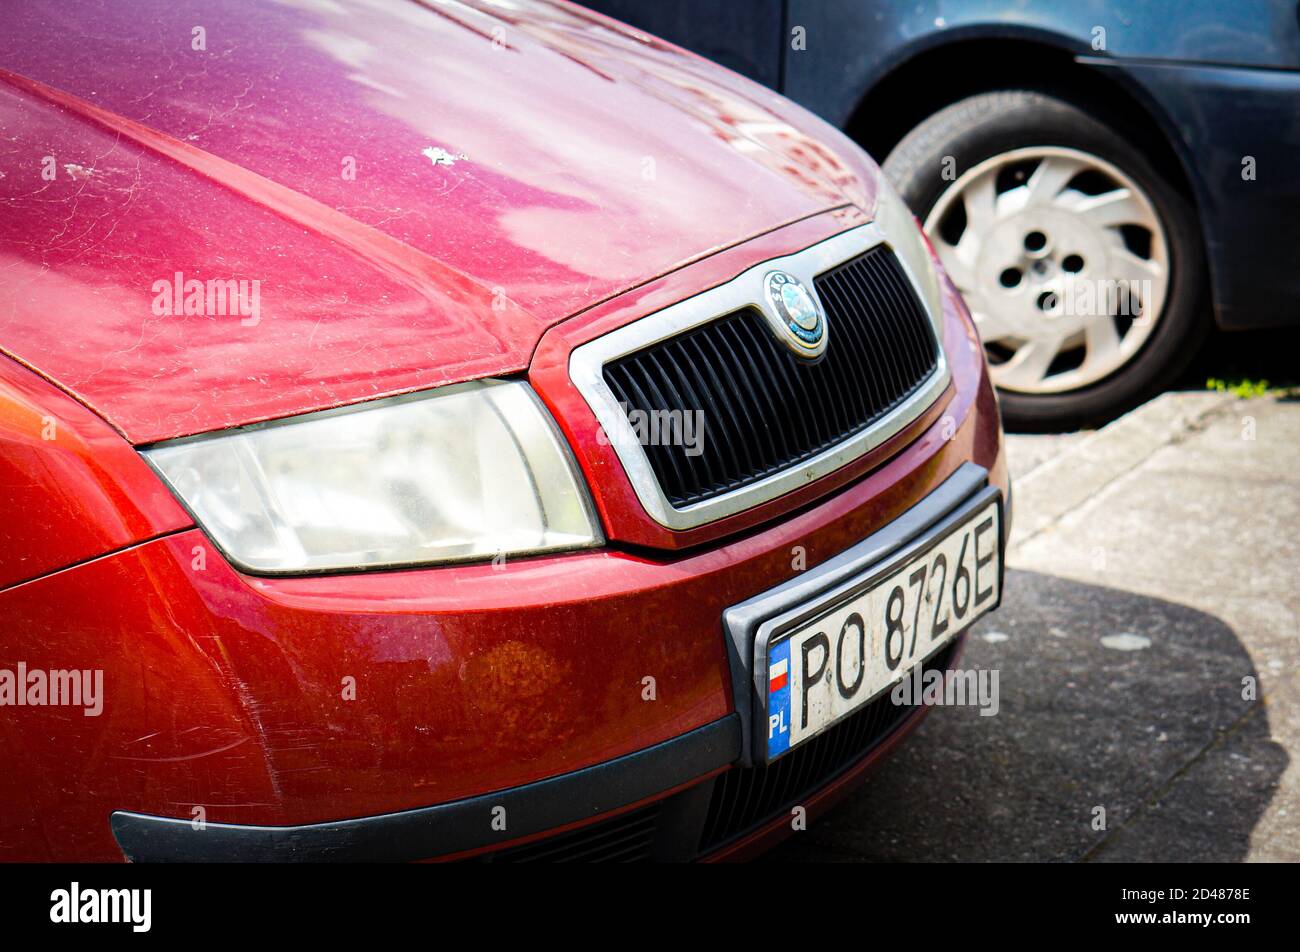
(739, 804)
(449, 828)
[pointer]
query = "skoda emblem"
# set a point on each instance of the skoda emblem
(801, 321)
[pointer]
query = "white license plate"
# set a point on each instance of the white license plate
(826, 669)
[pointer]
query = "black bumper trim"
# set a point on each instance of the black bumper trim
(448, 827)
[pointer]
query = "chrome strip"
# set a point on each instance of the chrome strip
(586, 365)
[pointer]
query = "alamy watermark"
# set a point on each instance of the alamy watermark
(684, 428)
(77, 905)
(57, 687)
(216, 297)
(953, 688)
(1094, 297)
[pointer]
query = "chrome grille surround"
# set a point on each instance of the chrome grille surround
(746, 290)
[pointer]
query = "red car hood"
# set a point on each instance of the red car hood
(412, 193)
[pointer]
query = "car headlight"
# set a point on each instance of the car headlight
(903, 233)
(462, 472)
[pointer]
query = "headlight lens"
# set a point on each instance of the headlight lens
(464, 472)
(904, 235)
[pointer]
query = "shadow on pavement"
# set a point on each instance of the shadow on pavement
(1159, 736)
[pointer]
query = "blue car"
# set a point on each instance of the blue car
(1103, 180)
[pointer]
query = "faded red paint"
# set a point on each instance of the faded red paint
(594, 161)
(70, 488)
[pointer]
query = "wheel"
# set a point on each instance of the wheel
(1081, 265)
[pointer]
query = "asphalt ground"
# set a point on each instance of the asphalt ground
(1153, 579)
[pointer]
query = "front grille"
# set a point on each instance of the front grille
(627, 838)
(765, 409)
(747, 797)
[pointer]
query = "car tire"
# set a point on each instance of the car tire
(981, 139)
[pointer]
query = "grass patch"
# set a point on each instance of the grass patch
(1245, 388)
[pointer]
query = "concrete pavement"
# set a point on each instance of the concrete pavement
(1148, 654)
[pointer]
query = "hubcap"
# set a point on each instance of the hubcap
(1062, 260)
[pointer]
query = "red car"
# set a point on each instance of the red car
(445, 430)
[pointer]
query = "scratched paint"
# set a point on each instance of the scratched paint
(390, 278)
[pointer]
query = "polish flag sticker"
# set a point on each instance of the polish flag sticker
(778, 676)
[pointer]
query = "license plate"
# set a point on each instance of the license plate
(824, 670)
